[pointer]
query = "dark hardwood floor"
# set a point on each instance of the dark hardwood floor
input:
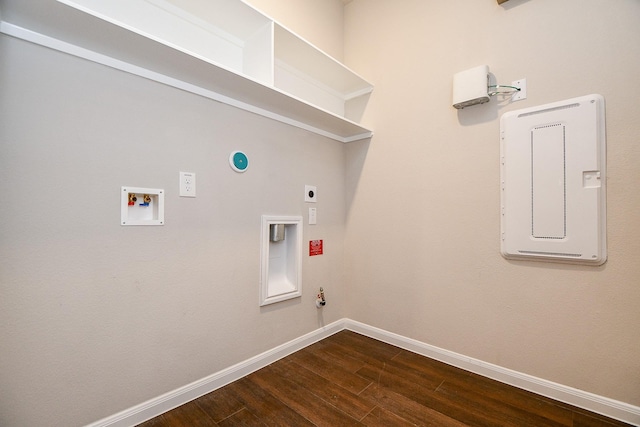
(352, 380)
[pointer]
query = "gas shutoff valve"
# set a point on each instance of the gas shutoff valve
(320, 301)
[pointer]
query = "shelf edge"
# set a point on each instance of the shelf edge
(71, 49)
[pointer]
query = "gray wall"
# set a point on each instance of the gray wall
(96, 317)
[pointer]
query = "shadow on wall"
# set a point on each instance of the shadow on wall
(356, 156)
(484, 113)
(477, 114)
(557, 266)
(510, 4)
(355, 108)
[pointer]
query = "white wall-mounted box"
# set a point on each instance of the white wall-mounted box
(553, 179)
(141, 206)
(471, 87)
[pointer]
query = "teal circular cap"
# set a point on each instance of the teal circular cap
(239, 161)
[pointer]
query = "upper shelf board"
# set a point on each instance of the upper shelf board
(221, 49)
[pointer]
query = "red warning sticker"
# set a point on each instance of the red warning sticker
(315, 247)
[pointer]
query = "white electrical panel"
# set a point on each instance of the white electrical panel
(553, 161)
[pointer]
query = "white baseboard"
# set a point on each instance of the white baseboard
(168, 401)
(601, 405)
(159, 405)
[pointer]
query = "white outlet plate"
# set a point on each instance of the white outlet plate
(187, 184)
(522, 93)
(310, 194)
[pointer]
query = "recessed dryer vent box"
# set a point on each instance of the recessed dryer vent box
(553, 173)
(280, 258)
(141, 206)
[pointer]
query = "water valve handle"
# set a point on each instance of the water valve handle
(320, 301)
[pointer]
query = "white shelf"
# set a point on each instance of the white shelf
(221, 49)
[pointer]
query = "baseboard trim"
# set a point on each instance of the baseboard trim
(601, 405)
(161, 404)
(168, 401)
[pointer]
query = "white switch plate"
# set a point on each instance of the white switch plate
(313, 216)
(187, 184)
(310, 194)
(522, 93)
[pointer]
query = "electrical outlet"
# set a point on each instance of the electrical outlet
(522, 93)
(310, 194)
(187, 184)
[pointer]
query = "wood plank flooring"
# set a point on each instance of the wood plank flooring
(352, 380)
